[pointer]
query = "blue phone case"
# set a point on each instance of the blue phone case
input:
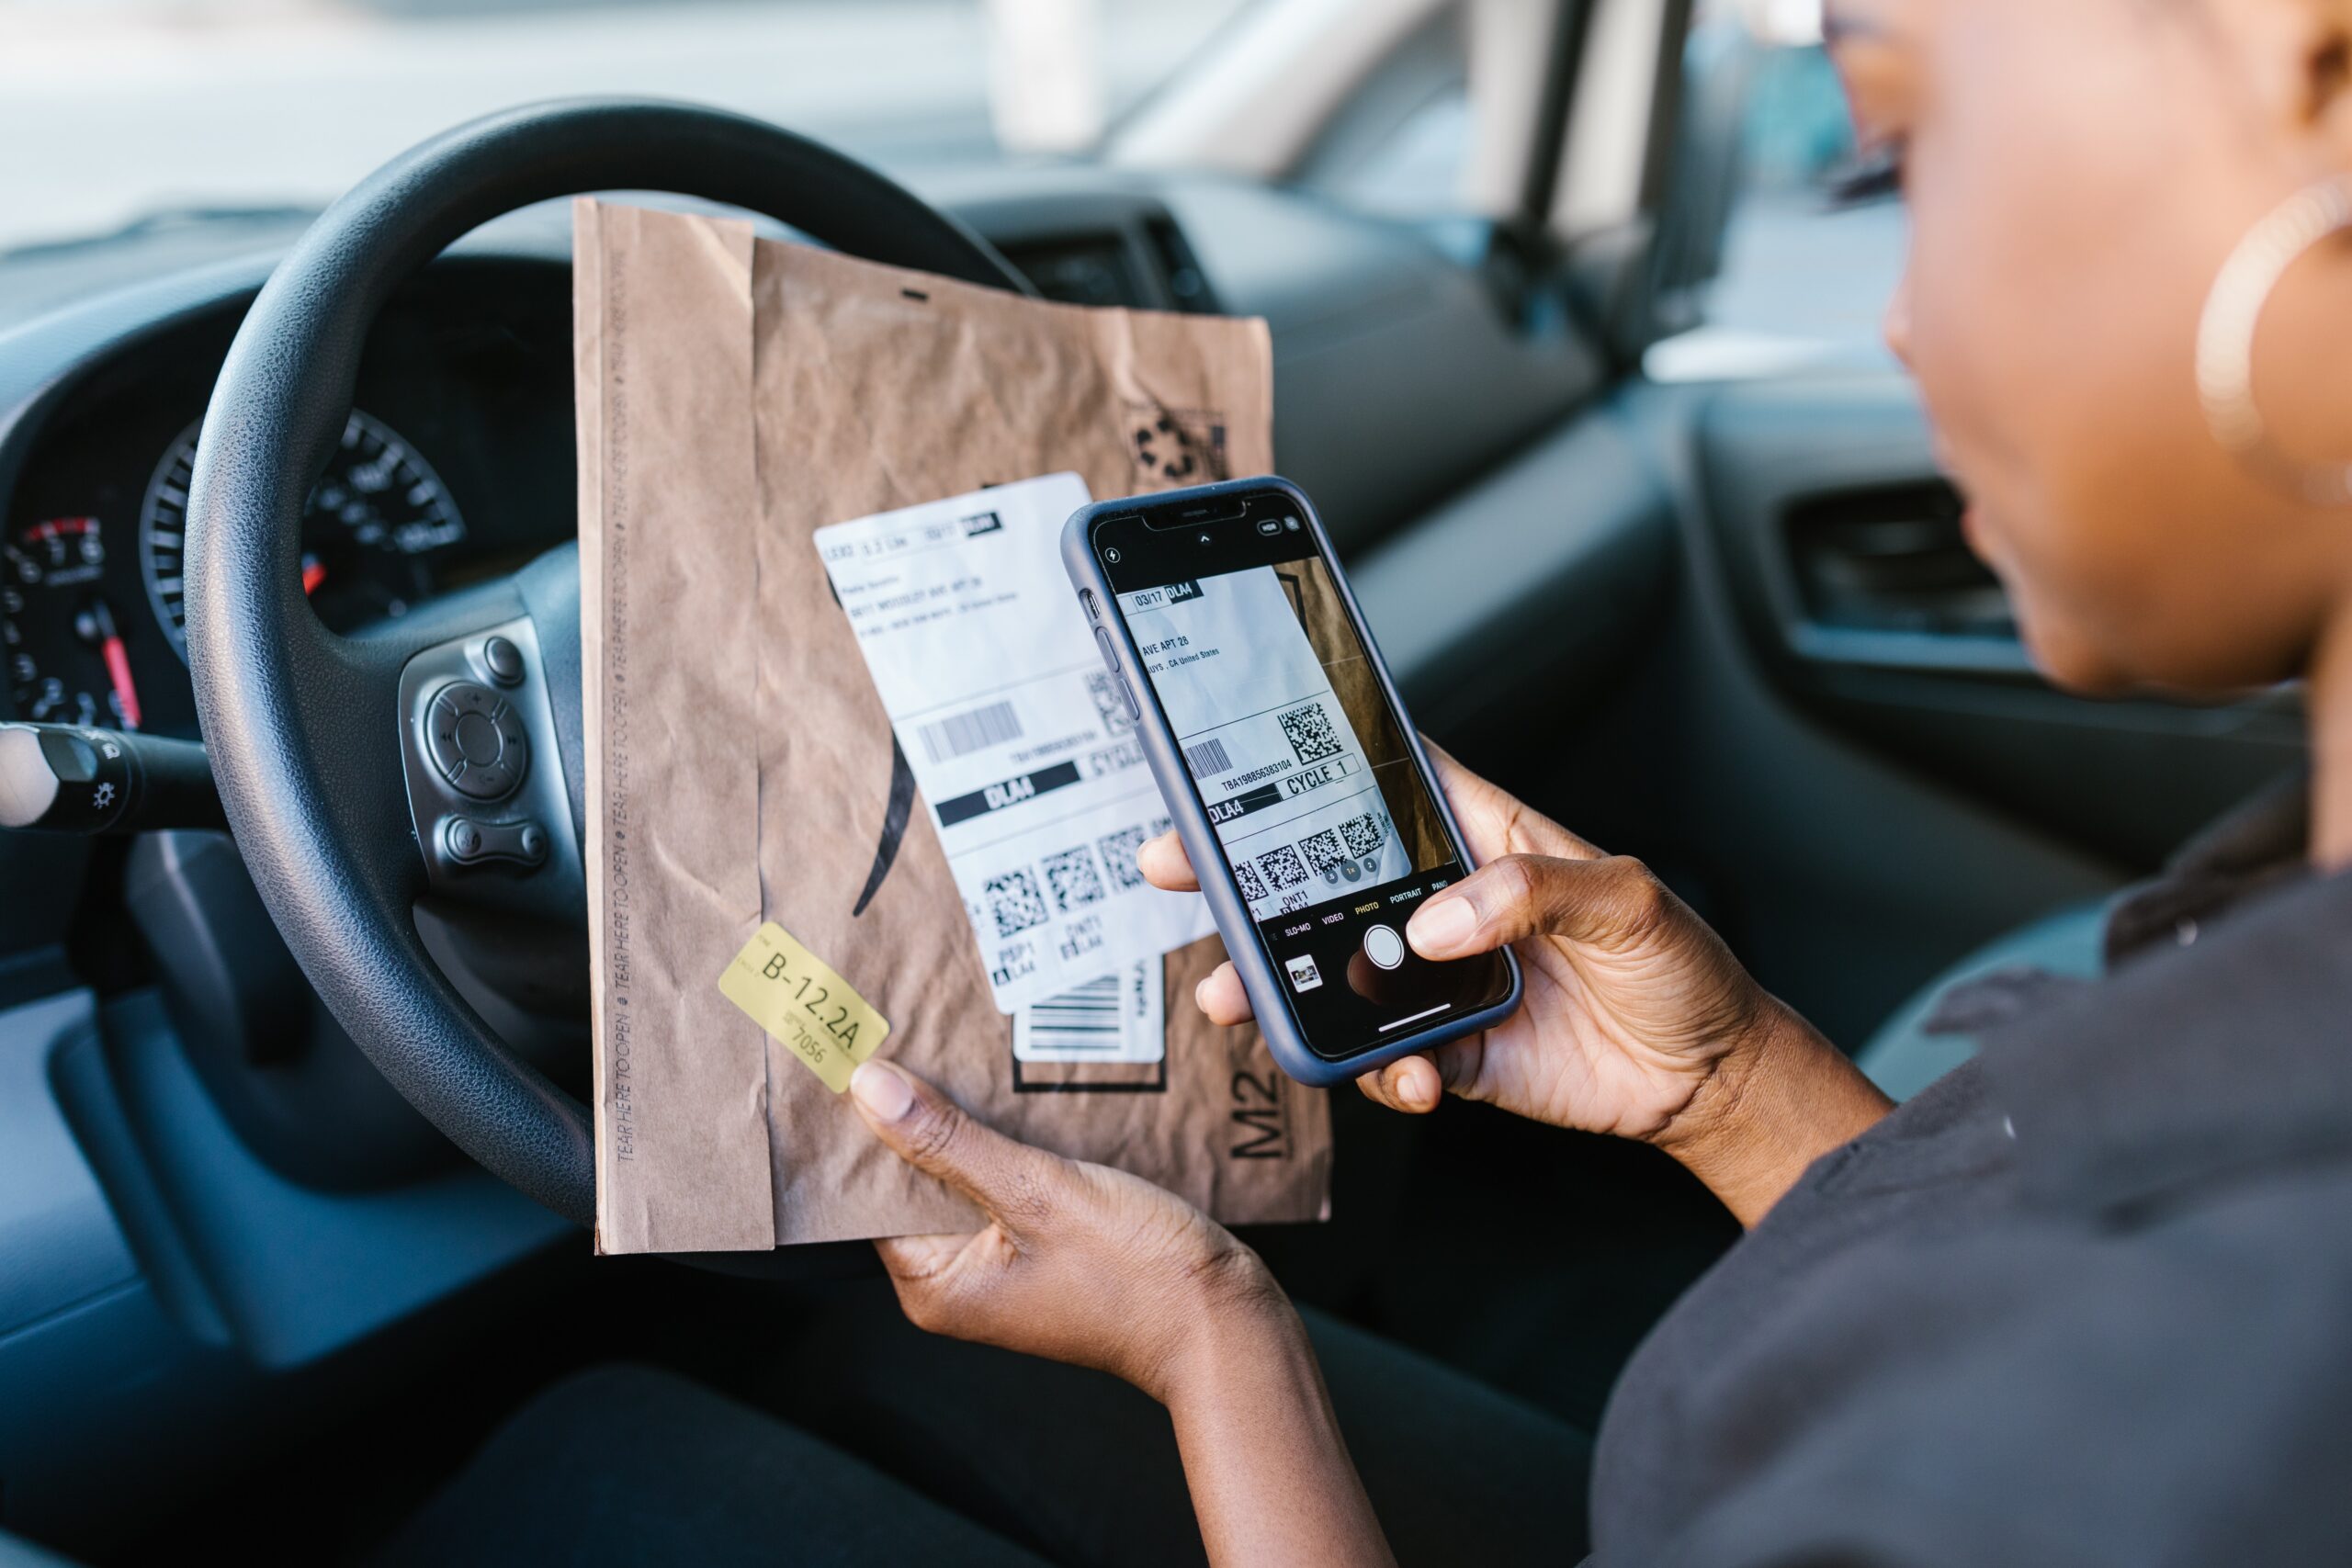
(1268, 998)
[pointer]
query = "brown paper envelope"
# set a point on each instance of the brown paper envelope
(873, 387)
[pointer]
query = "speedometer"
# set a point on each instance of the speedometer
(373, 532)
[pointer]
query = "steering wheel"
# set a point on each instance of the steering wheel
(353, 768)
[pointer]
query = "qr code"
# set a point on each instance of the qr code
(1364, 834)
(1308, 730)
(1252, 890)
(1109, 706)
(1119, 857)
(1159, 825)
(1323, 851)
(1014, 902)
(1282, 867)
(1073, 878)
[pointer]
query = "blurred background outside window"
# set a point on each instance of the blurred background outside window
(217, 125)
(121, 111)
(1804, 276)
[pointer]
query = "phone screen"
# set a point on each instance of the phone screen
(1325, 818)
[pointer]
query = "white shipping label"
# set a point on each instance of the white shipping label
(1024, 753)
(1118, 1018)
(1287, 780)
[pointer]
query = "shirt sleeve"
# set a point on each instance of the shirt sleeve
(2174, 1390)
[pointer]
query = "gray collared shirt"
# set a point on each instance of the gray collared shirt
(2087, 1300)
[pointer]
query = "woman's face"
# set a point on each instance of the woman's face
(2076, 170)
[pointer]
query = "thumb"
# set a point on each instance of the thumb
(1011, 1180)
(1601, 902)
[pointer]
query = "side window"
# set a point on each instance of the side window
(1799, 266)
(1399, 146)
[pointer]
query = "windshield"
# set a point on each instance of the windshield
(117, 110)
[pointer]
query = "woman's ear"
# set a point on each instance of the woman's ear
(2302, 54)
(2326, 68)
(2293, 61)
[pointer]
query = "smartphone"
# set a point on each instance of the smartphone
(1289, 767)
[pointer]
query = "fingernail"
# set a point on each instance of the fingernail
(1200, 988)
(881, 1090)
(1440, 928)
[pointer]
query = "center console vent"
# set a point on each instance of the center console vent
(1188, 285)
(1095, 269)
(1139, 260)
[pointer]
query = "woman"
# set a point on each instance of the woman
(2090, 1298)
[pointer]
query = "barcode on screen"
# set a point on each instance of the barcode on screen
(1208, 759)
(961, 734)
(1083, 1018)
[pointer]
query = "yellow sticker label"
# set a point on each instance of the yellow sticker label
(795, 996)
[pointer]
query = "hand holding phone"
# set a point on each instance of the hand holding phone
(1296, 780)
(1638, 1022)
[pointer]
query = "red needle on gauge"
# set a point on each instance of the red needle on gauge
(98, 627)
(313, 573)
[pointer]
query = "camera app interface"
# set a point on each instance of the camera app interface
(1303, 769)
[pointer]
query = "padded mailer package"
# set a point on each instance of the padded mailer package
(753, 817)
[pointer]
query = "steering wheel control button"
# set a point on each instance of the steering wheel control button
(1383, 946)
(469, 842)
(504, 660)
(477, 740)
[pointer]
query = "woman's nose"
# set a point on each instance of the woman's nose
(1896, 323)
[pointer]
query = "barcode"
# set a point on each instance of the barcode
(1083, 1018)
(1208, 759)
(961, 734)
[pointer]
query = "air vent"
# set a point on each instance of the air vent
(1095, 269)
(1892, 560)
(1188, 285)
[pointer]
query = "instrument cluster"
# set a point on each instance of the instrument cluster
(454, 464)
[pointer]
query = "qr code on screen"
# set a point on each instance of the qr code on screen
(1119, 857)
(1308, 730)
(1364, 834)
(1323, 851)
(1109, 706)
(1072, 876)
(1282, 867)
(1252, 890)
(1014, 902)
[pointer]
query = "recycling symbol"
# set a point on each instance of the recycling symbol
(103, 796)
(1178, 463)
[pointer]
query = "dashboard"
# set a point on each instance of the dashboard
(455, 465)
(458, 463)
